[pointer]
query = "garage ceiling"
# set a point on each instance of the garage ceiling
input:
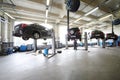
(36, 10)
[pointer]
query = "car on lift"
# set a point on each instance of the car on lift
(111, 36)
(116, 22)
(34, 31)
(74, 33)
(97, 34)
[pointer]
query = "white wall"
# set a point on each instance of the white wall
(62, 33)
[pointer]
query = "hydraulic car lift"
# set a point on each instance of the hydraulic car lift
(53, 45)
(75, 42)
(103, 42)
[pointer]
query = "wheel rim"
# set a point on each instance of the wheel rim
(36, 35)
(25, 38)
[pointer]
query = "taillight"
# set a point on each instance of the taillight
(92, 32)
(23, 25)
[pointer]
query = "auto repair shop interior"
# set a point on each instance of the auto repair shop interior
(59, 39)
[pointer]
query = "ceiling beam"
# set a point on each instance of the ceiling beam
(39, 17)
(52, 4)
(34, 10)
(24, 9)
(39, 1)
(33, 20)
(83, 13)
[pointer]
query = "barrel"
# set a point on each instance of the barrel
(45, 51)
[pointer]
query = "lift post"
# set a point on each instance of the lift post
(66, 37)
(75, 44)
(86, 41)
(66, 41)
(98, 42)
(53, 43)
(35, 45)
(103, 43)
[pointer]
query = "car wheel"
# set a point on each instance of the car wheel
(91, 37)
(71, 32)
(44, 38)
(25, 38)
(72, 5)
(36, 35)
(68, 39)
(21, 32)
(79, 39)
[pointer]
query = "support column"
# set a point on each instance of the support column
(56, 30)
(2, 31)
(6, 30)
(0, 35)
(53, 42)
(10, 30)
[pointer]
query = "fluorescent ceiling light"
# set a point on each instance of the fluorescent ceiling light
(93, 10)
(107, 1)
(46, 14)
(9, 15)
(77, 20)
(48, 2)
(105, 17)
(90, 23)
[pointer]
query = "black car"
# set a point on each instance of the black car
(97, 34)
(111, 36)
(116, 22)
(34, 31)
(74, 33)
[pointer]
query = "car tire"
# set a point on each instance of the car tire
(72, 32)
(21, 32)
(44, 38)
(68, 39)
(73, 5)
(25, 38)
(36, 35)
(79, 39)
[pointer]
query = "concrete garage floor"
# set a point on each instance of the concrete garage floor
(97, 64)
